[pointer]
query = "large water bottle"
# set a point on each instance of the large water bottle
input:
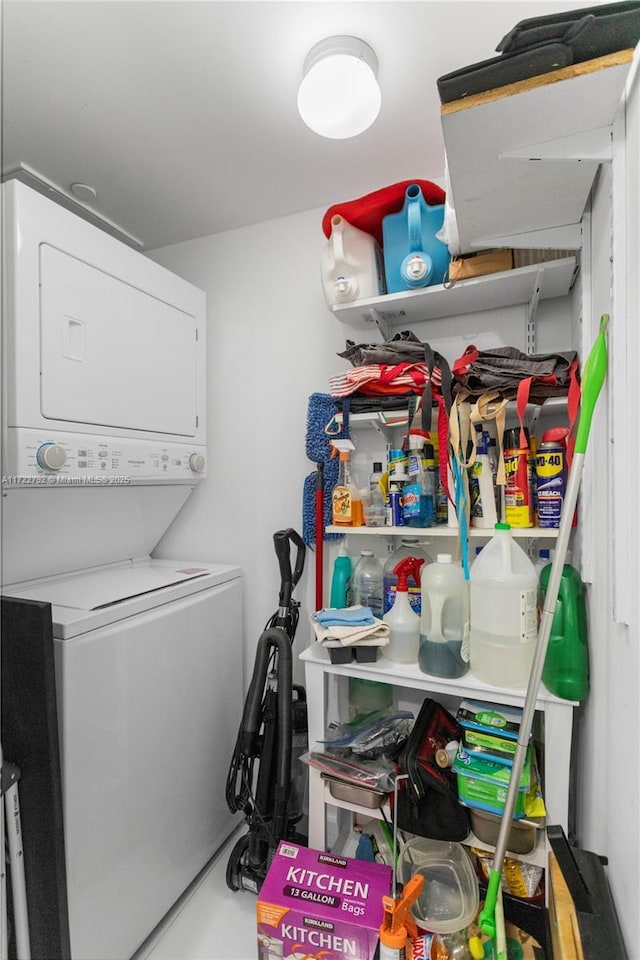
(367, 582)
(444, 626)
(504, 614)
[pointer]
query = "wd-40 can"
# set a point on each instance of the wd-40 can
(518, 492)
(551, 482)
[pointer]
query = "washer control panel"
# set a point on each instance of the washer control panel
(76, 459)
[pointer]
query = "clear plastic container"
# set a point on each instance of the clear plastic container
(450, 897)
(366, 584)
(375, 509)
(444, 625)
(504, 614)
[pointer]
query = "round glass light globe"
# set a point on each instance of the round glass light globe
(339, 97)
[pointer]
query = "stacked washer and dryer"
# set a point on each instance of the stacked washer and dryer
(104, 440)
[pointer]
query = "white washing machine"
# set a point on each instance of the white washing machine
(148, 657)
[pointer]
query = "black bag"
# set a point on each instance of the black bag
(542, 44)
(428, 801)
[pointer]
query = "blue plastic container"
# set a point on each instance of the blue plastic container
(413, 256)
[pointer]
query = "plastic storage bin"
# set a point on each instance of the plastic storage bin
(450, 898)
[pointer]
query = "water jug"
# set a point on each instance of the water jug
(413, 256)
(352, 267)
(367, 582)
(444, 626)
(566, 665)
(504, 615)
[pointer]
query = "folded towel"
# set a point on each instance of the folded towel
(345, 617)
(373, 635)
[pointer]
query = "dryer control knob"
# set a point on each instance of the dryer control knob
(197, 462)
(51, 456)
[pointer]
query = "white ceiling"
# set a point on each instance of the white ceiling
(182, 115)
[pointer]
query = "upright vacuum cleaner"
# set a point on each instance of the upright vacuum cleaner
(274, 715)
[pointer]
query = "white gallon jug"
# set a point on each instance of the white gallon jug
(444, 627)
(352, 267)
(504, 616)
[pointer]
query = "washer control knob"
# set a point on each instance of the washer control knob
(50, 456)
(197, 462)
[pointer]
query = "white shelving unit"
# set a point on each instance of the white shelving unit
(536, 149)
(540, 281)
(476, 533)
(321, 674)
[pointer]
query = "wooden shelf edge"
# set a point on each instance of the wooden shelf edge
(617, 59)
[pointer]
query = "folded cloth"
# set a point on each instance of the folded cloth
(370, 635)
(345, 616)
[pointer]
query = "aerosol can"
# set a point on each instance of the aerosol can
(398, 926)
(404, 623)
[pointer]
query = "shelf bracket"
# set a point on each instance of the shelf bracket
(532, 309)
(373, 316)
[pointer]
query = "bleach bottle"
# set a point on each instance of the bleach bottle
(444, 625)
(404, 624)
(504, 612)
(413, 256)
(352, 267)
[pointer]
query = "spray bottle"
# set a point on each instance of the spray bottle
(404, 623)
(346, 504)
(398, 926)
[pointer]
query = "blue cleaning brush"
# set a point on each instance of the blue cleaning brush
(321, 409)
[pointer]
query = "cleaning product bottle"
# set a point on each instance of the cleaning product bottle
(444, 624)
(409, 547)
(566, 666)
(367, 582)
(413, 255)
(398, 926)
(341, 581)
(375, 511)
(395, 498)
(481, 489)
(418, 499)
(404, 624)
(346, 504)
(352, 267)
(504, 616)
(542, 560)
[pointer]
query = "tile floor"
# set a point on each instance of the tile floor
(211, 923)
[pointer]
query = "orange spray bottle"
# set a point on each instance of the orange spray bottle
(398, 926)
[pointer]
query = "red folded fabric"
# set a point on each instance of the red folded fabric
(366, 212)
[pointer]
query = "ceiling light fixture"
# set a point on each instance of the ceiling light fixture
(339, 96)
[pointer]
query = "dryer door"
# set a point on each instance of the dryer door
(111, 354)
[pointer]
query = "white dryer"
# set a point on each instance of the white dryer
(148, 659)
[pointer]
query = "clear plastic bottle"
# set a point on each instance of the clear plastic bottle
(375, 511)
(367, 582)
(409, 547)
(419, 491)
(404, 623)
(444, 626)
(504, 616)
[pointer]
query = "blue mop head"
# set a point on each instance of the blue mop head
(321, 409)
(309, 503)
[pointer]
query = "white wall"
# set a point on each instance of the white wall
(271, 343)
(609, 755)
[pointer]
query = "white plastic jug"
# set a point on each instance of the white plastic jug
(444, 627)
(352, 267)
(504, 616)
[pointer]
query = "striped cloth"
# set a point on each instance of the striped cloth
(380, 379)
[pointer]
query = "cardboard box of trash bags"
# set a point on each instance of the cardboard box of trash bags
(317, 904)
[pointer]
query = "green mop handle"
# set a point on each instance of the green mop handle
(592, 380)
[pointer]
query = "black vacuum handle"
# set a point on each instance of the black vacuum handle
(282, 540)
